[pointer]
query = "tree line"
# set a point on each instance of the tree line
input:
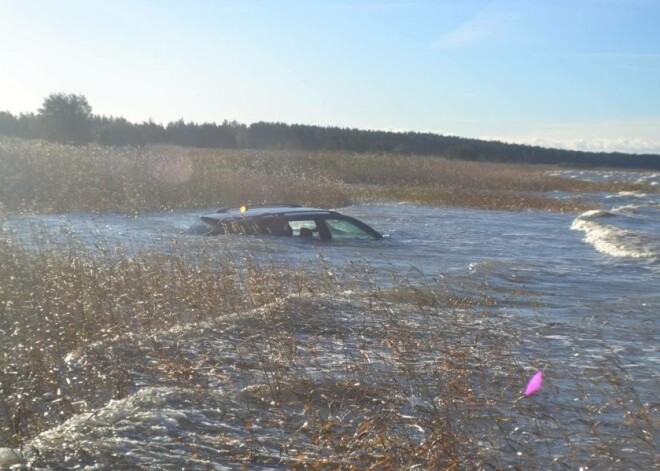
(69, 118)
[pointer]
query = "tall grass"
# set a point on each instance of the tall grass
(80, 328)
(333, 375)
(42, 177)
(57, 302)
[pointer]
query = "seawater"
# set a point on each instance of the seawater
(585, 288)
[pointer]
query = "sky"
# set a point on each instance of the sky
(578, 74)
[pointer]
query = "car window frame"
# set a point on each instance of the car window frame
(356, 222)
(324, 232)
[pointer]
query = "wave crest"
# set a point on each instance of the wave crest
(614, 241)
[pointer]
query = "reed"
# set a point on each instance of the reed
(328, 372)
(45, 177)
(332, 370)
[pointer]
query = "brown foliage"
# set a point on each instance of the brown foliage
(42, 177)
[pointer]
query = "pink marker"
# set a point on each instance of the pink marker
(534, 384)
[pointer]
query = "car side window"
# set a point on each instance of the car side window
(340, 229)
(305, 228)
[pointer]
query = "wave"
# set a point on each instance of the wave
(615, 241)
(629, 194)
(596, 213)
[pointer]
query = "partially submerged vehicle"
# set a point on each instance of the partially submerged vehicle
(287, 220)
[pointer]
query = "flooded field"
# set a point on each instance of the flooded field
(411, 350)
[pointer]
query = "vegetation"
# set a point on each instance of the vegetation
(299, 367)
(68, 118)
(39, 176)
(272, 358)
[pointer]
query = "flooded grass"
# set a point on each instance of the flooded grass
(132, 361)
(43, 177)
(167, 358)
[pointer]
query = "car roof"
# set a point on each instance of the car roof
(262, 210)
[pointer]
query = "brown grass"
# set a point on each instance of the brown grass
(285, 359)
(43, 177)
(412, 377)
(112, 316)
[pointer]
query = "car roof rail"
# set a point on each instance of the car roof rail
(224, 210)
(277, 205)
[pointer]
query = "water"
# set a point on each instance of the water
(583, 289)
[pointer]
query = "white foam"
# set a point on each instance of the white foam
(611, 240)
(10, 457)
(623, 209)
(153, 425)
(629, 194)
(594, 213)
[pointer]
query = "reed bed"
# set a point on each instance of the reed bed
(54, 302)
(263, 365)
(43, 177)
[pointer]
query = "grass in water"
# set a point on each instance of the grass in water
(277, 358)
(265, 364)
(41, 177)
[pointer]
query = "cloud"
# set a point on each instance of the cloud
(613, 144)
(638, 136)
(485, 25)
(611, 55)
(366, 6)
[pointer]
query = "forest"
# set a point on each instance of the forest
(68, 118)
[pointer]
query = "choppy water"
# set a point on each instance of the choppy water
(585, 288)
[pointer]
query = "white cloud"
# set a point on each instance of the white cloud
(486, 24)
(614, 144)
(611, 55)
(366, 6)
(637, 136)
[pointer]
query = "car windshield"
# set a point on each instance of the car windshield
(341, 229)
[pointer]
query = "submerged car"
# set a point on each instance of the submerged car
(287, 220)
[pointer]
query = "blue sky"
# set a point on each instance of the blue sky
(579, 74)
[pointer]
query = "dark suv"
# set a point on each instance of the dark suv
(289, 220)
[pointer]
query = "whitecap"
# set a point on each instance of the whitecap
(595, 213)
(630, 194)
(154, 424)
(10, 457)
(612, 240)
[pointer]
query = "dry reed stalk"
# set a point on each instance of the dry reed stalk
(45, 177)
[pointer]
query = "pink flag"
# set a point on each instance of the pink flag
(534, 384)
